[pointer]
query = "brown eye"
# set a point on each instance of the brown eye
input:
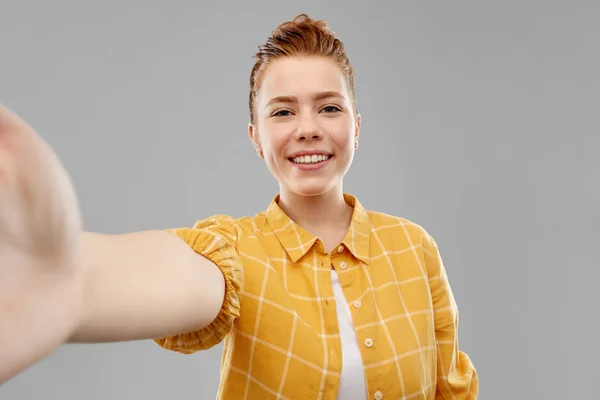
(331, 109)
(281, 113)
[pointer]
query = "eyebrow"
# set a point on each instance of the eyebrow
(314, 97)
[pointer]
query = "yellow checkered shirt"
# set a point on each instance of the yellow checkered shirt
(279, 322)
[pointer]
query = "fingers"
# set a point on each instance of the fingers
(17, 139)
(32, 172)
(20, 144)
(10, 123)
(13, 132)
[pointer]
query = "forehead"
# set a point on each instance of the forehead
(301, 77)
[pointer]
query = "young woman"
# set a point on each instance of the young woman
(314, 298)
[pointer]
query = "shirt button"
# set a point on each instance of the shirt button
(333, 351)
(357, 303)
(368, 342)
(343, 265)
(340, 249)
(378, 395)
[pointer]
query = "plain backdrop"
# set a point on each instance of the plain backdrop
(480, 123)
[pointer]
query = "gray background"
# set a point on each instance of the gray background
(480, 122)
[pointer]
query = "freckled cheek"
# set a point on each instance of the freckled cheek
(343, 140)
(276, 149)
(341, 132)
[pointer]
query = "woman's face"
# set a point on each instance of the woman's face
(305, 124)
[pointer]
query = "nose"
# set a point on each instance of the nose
(308, 130)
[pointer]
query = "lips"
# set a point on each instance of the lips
(310, 159)
(309, 156)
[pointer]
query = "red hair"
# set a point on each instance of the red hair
(303, 36)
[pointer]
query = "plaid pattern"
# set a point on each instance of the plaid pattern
(279, 321)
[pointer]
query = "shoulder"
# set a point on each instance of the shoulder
(231, 226)
(389, 224)
(395, 233)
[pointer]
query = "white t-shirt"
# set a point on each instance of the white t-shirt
(352, 385)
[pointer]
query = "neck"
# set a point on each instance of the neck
(317, 213)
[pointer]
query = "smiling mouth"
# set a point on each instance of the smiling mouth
(314, 159)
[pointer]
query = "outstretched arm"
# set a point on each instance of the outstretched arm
(59, 284)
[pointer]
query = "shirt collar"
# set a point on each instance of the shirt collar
(297, 241)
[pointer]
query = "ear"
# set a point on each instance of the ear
(255, 139)
(357, 128)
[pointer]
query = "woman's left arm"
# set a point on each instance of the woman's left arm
(456, 376)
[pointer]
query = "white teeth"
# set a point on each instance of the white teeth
(310, 159)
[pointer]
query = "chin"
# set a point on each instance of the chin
(312, 187)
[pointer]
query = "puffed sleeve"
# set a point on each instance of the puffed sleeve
(457, 377)
(214, 238)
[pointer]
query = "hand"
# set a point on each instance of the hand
(40, 246)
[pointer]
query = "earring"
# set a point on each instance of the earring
(260, 153)
(356, 144)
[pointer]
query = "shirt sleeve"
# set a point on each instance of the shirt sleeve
(214, 238)
(456, 375)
